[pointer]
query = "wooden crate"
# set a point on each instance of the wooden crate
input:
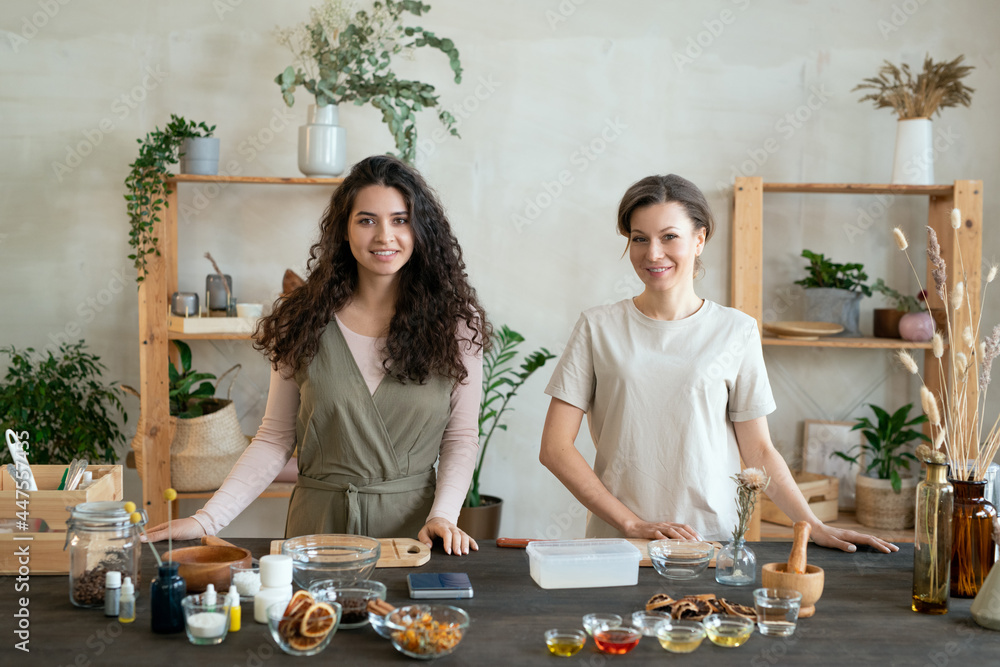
(820, 492)
(46, 549)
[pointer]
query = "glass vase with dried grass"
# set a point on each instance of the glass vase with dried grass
(957, 412)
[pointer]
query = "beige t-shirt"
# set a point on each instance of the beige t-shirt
(661, 398)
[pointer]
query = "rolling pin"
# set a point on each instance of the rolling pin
(797, 558)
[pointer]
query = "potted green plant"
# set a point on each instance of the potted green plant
(63, 404)
(908, 319)
(480, 517)
(833, 292)
(884, 495)
(146, 188)
(340, 57)
(915, 99)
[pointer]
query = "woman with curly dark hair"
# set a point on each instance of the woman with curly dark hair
(376, 374)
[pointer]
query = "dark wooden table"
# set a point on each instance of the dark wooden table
(864, 618)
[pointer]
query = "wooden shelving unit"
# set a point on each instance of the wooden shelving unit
(154, 295)
(748, 256)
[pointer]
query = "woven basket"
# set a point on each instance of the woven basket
(202, 449)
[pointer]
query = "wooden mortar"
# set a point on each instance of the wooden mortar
(209, 564)
(797, 574)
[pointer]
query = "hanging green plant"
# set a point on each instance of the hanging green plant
(146, 184)
(345, 58)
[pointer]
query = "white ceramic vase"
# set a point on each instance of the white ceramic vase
(914, 159)
(322, 143)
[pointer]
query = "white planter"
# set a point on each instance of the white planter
(200, 155)
(914, 159)
(322, 143)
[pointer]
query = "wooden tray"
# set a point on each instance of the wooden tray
(396, 552)
(820, 491)
(802, 330)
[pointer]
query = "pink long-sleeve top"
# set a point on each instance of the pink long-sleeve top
(275, 440)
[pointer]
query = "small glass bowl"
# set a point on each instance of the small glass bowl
(448, 624)
(353, 596)
(205, 624)
(246, 581)
(680, 559)
(565, 643)
(299, 645)
(680, 636)
(616, 640)
(377, 622)
(647, 621)
(728, 631)
(592, 622)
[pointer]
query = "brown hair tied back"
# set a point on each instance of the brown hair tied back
(664, 190)
(434, 292)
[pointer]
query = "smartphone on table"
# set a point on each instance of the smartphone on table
(439, 586)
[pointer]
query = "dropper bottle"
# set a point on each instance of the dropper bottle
(235, 610)
(126, 606)
(211, 597)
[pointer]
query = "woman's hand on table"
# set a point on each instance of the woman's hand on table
(456, 541)
(180, 529)
(661, 530)
(846, 540)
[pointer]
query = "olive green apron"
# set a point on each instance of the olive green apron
(366, 461)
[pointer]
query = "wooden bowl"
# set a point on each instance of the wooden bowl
(201, 566)
(810, 584)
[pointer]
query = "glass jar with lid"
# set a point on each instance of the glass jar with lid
(100, 538)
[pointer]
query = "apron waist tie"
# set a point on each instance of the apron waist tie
(350, 490)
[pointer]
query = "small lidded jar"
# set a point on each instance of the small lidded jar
(100, 538)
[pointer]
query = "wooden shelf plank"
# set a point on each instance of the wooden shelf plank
(274, 490)
(860, 188)
(858, 343)
(198, 178)
(178, 335)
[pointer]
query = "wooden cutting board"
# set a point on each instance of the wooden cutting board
(396, 552)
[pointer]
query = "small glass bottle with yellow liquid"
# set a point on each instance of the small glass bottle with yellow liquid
(565, 642)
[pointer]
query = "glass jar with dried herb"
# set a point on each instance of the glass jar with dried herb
(100, 539)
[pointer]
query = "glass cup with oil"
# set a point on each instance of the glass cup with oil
(565, 643)
(777, 610)
(680, 636)
(728, 631)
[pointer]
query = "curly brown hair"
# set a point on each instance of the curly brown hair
(434, 291)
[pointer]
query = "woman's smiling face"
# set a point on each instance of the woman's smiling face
(379, 231)
(664, 246)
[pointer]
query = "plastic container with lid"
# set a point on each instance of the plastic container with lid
(584, 563)
(100, 539)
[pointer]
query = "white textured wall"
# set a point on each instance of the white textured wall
(708, 90)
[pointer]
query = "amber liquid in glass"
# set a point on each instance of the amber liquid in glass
(564, 647)
(617, 642)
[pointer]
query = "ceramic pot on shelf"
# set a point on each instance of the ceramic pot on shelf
(913, 161)
(322, 143)
(200, 155)
(839, 306)
(916, 327)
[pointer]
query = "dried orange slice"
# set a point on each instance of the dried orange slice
(294, 612)
(318, 620)
(300, 643)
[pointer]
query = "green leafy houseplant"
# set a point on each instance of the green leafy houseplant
(884, 442)
(185, 397)
(937, 87)
(821, 272)
(343, 58)
(501, 380)
(146, 184)
(903, 302)
(61, 401)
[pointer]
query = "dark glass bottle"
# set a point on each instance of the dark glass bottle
(166, 593)
(972, 552)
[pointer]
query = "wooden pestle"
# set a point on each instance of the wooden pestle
(797, 558)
